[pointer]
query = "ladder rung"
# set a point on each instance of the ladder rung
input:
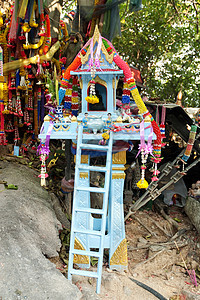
(91, 189)
(94, 147)
(90, 210)
(86, 253)
(84, 273)
(88, 231)
(93, 168)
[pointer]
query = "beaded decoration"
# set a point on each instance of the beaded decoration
(75, 96)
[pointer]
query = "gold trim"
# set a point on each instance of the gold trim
(119, 168)
(115, 80)
(119, 257)
(118, 176)
(109, 57)
(84, 58)
(100, 81)
(84, 159)
(119, 158)
(83, 175)
(81, 83)
(80, 259)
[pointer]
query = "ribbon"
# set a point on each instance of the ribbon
(91, 55)
(97, 62)
(45, 149)
(142, 145)
(148, 147)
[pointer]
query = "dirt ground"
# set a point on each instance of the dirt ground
(161, 258)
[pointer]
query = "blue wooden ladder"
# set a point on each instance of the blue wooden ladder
(76, 229)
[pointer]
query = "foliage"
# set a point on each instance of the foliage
(162, 40)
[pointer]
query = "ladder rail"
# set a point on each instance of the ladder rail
(72, 236)
(103, 212)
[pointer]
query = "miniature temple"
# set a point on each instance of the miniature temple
(95, 130)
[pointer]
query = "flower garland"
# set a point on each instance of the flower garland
(145, 150)
(75, 96)
(190, 143)
(47, 39)
(68, 95)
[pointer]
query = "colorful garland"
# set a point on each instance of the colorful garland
(75, 96)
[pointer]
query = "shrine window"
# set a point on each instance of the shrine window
(101, 93)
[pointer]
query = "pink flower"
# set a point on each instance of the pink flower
(154, 178)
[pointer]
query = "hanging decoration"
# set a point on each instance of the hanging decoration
(145, 150)
(75, 96)
(3, 140)
(190, 143)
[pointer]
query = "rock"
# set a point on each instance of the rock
(89, 294)
(28, 235)
(190, 296)
(192, 209)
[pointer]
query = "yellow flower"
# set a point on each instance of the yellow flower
(26, 27)
(142, 184)
(105, 136)
(92, 99)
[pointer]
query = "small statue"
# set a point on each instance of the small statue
(85, 121)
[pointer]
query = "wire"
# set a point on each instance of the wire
(149, 289)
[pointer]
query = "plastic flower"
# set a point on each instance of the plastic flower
(105, 136)
(142, 184)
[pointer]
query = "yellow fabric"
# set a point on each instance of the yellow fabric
(139, 102)
(23, 8)
(13, 65)
(35, 46)
(1, 91)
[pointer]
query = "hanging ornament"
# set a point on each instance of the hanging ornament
(16, 138)
(93, 64)
(68, 95)
(18, 105)
(2, 132)
(125, 108)
(75, 96)
(162, 125)
(145, 150)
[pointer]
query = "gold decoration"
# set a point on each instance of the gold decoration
(118, 176)
(119, 158)
(109, 57)
(118, 168)
(119, 257)
(47, 118)
(84, 58)
(80, 259)
(119, 120)
(81, 83)
(13, 65)
(100, 81)
(84, 159)
(115, 83)
(83, 175)
(35, 46)
(74, 119)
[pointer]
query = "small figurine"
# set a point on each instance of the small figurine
(85, 120)
(108, 122)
